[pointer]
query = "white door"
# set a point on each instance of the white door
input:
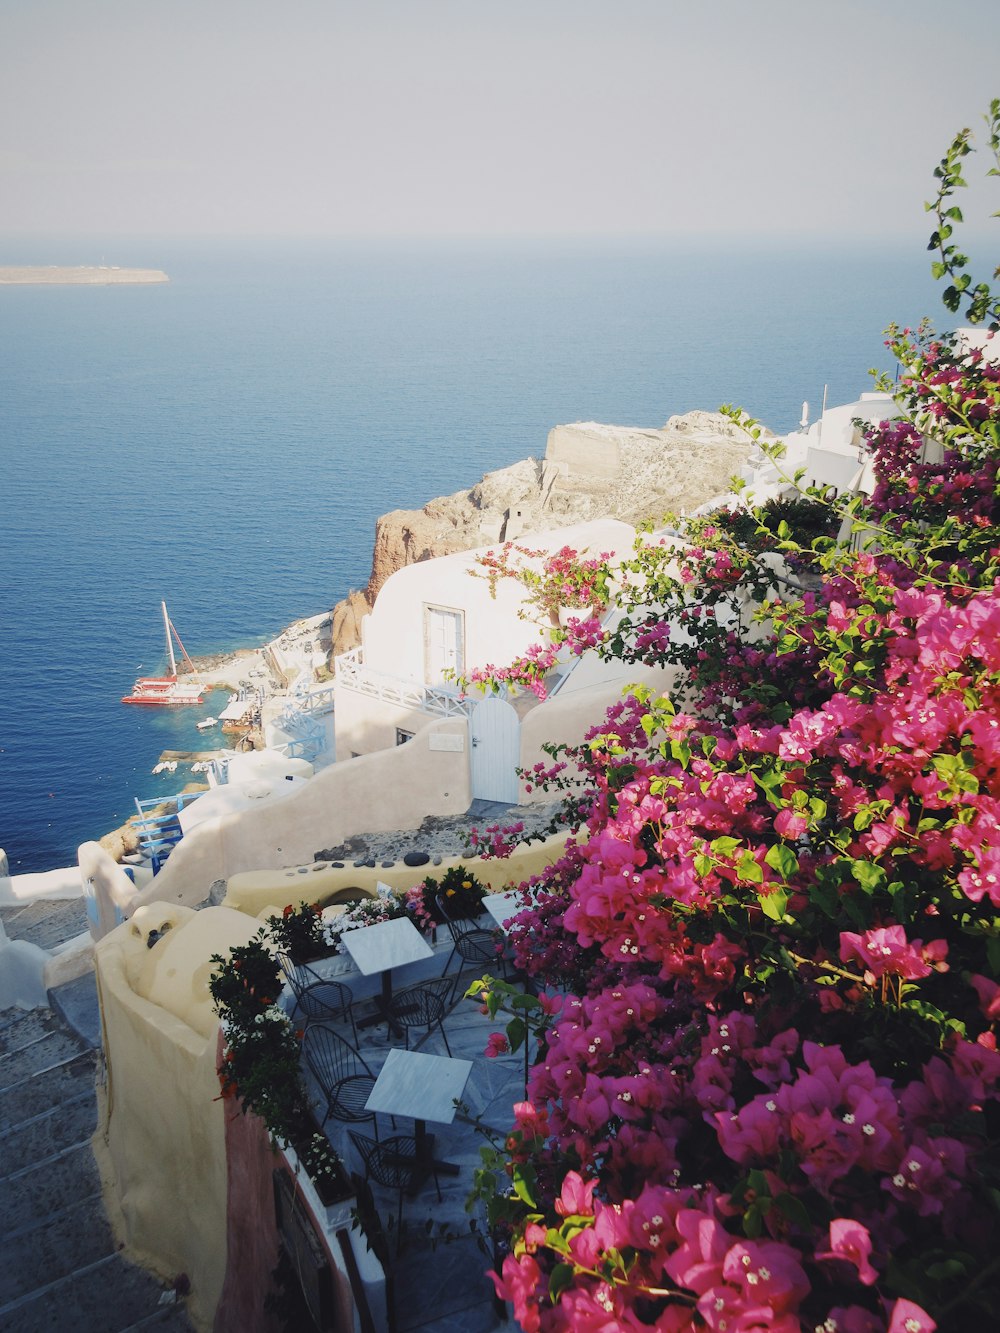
(443, 643)
(495, 733)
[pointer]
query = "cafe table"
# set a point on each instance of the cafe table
(503, 907)
(380, 948)
(421, 1087)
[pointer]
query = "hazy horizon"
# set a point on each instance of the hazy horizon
(575, 119)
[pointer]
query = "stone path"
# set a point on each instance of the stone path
(61, 1271)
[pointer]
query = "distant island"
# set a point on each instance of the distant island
(82, 274)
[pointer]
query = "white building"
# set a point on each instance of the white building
(437, 616)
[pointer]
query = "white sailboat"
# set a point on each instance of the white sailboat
(168, 691)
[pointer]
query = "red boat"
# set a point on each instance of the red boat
(168, 691)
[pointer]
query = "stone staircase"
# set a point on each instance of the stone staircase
(60, 1270)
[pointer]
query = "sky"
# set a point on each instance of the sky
(486, 117)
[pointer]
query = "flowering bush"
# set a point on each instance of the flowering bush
(495, 840)
(260, 1062)
(771, 1097)
(528, 672)
(554, 582)
(459, 890)
(421, 907)
(385, 906)
(298, 931)
(558, 580)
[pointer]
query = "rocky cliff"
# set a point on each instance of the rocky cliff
(589, 471)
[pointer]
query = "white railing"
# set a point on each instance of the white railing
(316, 702)
(441, 700)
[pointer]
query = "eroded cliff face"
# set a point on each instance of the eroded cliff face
(589, 471)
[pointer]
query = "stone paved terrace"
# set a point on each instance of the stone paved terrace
(440, 1284)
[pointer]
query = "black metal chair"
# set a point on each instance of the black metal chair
(423, 1006)
(343, 1076)
(318, 999)
(394, 1165)
(473, 945)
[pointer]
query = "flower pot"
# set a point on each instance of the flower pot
(331, 1197)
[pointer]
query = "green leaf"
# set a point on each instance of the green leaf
(783, 860)
(748, 869)
(869, 876)
(725, 846)
(524, 1183)
(947, 1269)
(559, 1279)
(517, 1030)
(773, 904)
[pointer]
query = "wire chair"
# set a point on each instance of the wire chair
(318, 999)
(472, 944)
(394, 1165)
(423, 1006)
(344, 1078)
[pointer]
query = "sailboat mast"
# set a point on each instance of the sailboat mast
(170, 645)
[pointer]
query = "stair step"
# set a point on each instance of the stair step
(47, 923)
(75, 1003)
(44, 1135)
(20, 1027)
(50, 1087)
(33, 1194)
(74, 1238)
(47, 1051)
(107, 1296)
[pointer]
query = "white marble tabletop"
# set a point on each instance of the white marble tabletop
(423, 1087)
(502, 907)
(385, 945)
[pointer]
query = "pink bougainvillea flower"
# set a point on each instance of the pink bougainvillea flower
(908, 1317)
(496, 1044)
(791, 823)
(576, 1197)
(989, 996)
(851, 1241)
(521, 1281)
(983, 879)
(884, 951)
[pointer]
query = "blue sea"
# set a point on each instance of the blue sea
(227, 442)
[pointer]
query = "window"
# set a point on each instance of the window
(403, 736)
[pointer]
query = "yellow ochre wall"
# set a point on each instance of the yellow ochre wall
(160, 1138)
(255, 890)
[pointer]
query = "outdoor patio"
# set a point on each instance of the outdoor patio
(438, 1276)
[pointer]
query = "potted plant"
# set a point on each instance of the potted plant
(460, 892)
(320, 1173)
(299, 932)
(260, 1066)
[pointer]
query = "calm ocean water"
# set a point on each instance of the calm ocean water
(226, 442)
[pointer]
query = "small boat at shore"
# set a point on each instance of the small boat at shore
(207, 723)
(168, 691)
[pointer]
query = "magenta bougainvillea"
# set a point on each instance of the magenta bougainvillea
(769, 1094)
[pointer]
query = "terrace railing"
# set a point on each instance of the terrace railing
(439, 700)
